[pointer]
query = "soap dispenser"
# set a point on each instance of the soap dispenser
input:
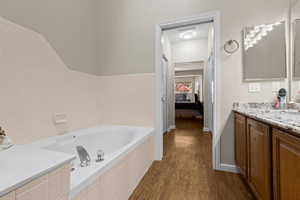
(282, 97)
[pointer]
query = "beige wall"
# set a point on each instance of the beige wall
(69, 26)
(131, 25)
(127, 100)
(35, 84)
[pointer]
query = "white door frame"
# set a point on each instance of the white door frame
(166, 100)
(204, 17)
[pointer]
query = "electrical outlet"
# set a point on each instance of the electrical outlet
(61, 123)
(254, 87)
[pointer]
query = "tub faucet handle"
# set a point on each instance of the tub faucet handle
(84, 157)
(100, 156)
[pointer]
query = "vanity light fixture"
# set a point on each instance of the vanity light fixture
(264, 33)
(255, 34)
(277, 23)
(269, 27)
(259, 37)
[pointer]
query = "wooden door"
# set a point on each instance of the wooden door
(286, 166)
(259, 159)
(241, 144)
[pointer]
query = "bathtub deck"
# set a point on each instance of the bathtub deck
(186, 172)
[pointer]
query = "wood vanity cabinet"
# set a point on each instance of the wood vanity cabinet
(272, 160)
(286, 166)
(259, 159)
(241, 144)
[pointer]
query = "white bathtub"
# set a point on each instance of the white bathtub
(115, 141)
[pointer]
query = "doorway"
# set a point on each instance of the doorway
(163, 119)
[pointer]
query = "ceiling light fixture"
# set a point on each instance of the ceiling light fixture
(188, 35)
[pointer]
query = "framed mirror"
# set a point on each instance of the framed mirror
(296, 59)
(264, 52)
(295, 55)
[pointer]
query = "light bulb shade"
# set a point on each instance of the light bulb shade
(188, 35)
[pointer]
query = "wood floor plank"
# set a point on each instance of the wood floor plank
(186, 173)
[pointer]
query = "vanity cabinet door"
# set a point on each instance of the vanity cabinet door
(241, 144)
(259, 159)
(286, 166)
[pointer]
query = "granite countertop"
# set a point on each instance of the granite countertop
(288, 119)
(23, 163)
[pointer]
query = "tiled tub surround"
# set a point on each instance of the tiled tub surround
(129, 152)
(288, 119)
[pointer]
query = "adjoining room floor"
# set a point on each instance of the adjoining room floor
(186, 172)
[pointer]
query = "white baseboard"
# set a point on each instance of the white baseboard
(205, 129)
(172, 127)
(229, 168)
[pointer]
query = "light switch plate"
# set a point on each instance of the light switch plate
(276, 86)
(254, 87)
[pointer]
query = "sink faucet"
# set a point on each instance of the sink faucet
(84, 157)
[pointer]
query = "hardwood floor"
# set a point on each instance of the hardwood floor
(186, 172)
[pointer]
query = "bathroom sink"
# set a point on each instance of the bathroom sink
(289, 117)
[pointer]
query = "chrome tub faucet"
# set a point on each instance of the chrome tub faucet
(85, 159)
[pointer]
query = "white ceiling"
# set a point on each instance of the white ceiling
(202, 31)
(191, 66)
